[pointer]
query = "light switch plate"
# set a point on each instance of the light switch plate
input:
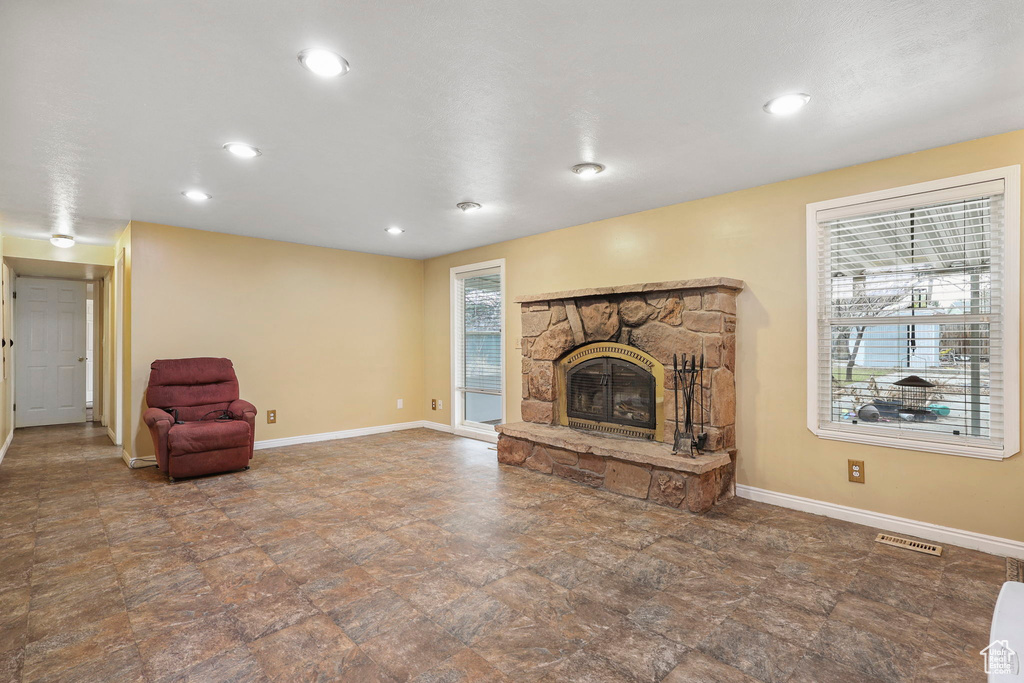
(400, 403)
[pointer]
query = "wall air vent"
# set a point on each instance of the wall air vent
(919, 546)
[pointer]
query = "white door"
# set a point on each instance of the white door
(49, 381)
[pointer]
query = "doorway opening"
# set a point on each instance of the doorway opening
(58, 343)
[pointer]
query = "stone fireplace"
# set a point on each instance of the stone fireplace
(599, 389)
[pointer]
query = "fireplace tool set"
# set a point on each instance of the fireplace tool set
(689, 377)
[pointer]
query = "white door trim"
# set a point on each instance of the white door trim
(455, 399)
(119, 349)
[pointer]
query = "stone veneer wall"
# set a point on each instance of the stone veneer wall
(662, 319)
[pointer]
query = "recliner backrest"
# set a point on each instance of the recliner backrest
(192, 386)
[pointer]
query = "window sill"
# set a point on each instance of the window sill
(914, 444)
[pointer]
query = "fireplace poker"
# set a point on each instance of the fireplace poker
(675, 390)
(689, 396)
(689, 407)
(701, 440)
(702, 392)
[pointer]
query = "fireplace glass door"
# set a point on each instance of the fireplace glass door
(611, 390)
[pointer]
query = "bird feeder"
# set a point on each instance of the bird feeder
(914, 393)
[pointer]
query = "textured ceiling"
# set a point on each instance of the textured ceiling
(108, 110)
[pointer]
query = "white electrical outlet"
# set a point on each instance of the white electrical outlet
(400, 403)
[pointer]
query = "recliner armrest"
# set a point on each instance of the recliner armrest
(154, 415)
(242, 409)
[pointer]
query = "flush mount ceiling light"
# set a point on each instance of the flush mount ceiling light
(197, 195)
(62, 241)
(468, 207)
(587, 170)
(784, 105)
(394, 230)
(323, 63)
(243, 150)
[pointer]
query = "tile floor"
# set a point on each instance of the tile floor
(413, 556)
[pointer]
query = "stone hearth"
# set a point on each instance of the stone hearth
(695, 317)
(632, 467)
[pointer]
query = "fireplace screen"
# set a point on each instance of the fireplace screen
(611, 390)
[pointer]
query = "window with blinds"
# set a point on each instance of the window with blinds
(477, 341)
(913, 342)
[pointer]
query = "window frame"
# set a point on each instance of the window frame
(1010, 175)
(456, 399)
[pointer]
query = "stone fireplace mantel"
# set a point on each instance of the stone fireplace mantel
(646, 288)
(621, 438)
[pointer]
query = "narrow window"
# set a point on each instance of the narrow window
(478, 348)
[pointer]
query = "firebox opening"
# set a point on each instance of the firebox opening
(612, 388)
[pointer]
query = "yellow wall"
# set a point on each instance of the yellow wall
(42, 250)
(328, 338)
(758, 236)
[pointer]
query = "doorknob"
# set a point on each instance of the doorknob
(81, 358)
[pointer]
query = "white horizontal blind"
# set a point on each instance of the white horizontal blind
(911, 291)
(478, 325)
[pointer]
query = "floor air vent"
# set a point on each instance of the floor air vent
(1014, 569)
(926, 548)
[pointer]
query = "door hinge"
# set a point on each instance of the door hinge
(15, 407)
(14, 295)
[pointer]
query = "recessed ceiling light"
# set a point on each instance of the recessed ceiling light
(587, 170)
(243, 150)
(197, 195)
(62, 241)
(784, 105)
(323, 63)
(393, 230)
(467, 207)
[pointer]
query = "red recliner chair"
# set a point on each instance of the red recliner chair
(198, 423)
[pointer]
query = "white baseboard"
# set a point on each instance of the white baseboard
(437, 426)
(343, 434)
(366, 431)
(111, 436)
(312, 438)
(1004, 547)
(149, 460)
(7, 444)
(489, 437)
